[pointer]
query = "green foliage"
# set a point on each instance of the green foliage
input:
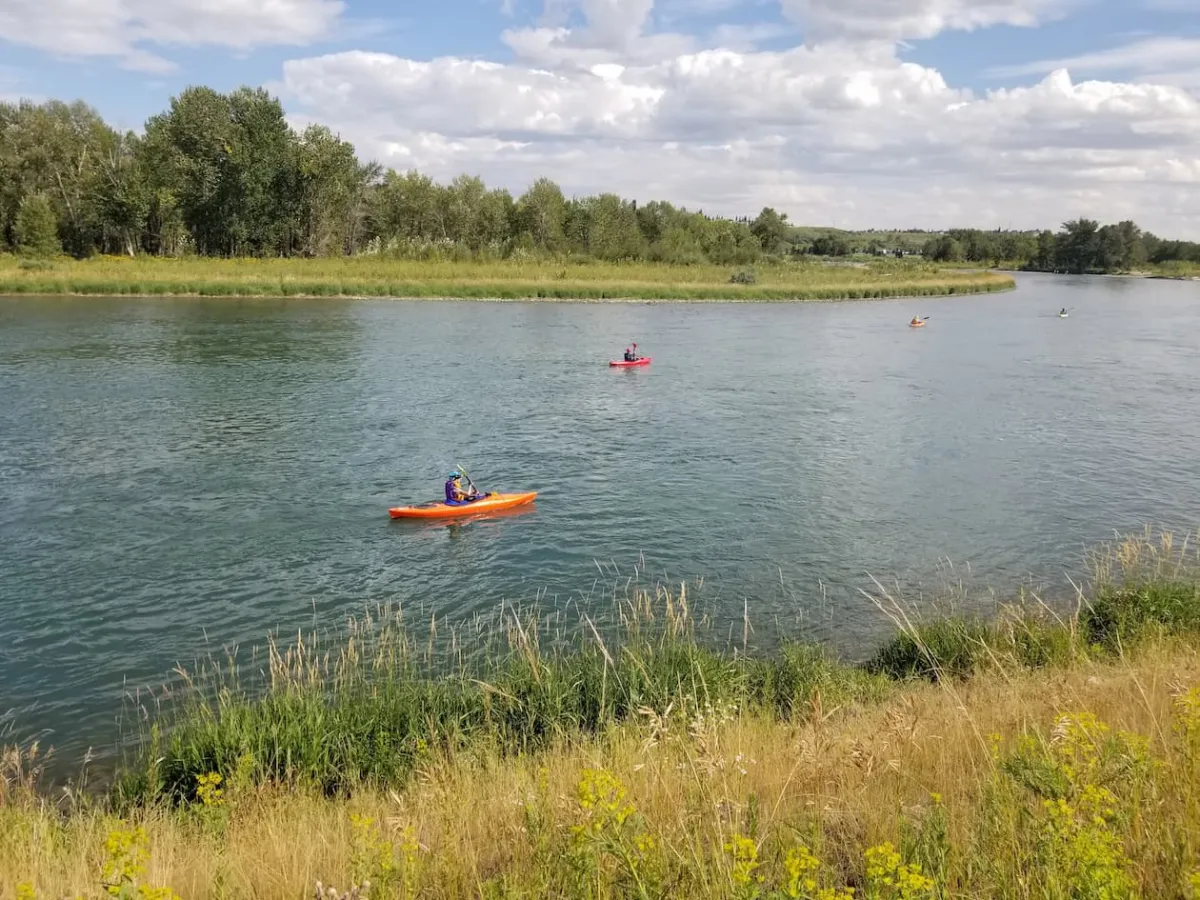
(935, 650)
(1037, 643)
(831, 245)
(224, 175)
(1068, 800)
(771, 230)
(1122, 615)
(36, 229)
(801, 679)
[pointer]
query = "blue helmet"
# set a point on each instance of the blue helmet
(455, 475)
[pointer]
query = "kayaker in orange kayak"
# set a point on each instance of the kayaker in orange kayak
(631, 354)
(455, 493)
(915, 321)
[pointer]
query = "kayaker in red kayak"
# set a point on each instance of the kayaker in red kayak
(455, 492)
(631, 355)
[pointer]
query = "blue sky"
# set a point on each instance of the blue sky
(822, 106)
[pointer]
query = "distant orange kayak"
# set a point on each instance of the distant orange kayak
(440, 509)
(916, 324)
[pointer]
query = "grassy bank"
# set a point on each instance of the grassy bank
(378, 277)
(1038, 755)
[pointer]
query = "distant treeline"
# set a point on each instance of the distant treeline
(225, 175)
(1082, 245)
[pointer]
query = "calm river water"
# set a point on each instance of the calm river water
(177, 476)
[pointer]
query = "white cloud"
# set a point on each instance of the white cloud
(613, 31)
(560, 47)
(1156, 54)
(123, 29)
(901, 19)
(465, 98)
(836, 132)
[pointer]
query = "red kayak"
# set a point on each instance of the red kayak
(622, 364)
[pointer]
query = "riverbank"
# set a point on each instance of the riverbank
(1044, 754)
(378, 277)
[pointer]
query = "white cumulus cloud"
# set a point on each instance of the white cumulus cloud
(830, 133)
(125, 29)
(841, 130)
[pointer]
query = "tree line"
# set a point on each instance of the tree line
(1081, 245)
(225, 175)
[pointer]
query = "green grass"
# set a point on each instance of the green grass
(365, 708)
(372, 709)
(379, 277)
(1175, 269)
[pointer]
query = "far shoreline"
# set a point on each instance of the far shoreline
(10, 294)
(508, 280)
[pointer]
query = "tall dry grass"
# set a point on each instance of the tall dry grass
(1047, 755)
(846, 780)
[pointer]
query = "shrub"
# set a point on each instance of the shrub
(1122, 615)
(948, 647)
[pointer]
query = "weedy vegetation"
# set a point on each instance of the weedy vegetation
(1049, 752)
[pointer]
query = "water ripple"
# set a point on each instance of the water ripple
(181, 476)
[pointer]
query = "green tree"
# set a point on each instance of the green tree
(260, 190)
(541, 213)
(771, 229)
(1134, 245)
(37, 227)
(944, 248)
(613, 231)
(122, 195)
(1046, 256)
(463, 200)
(1110, 249)
(1079, 245)
(678, 245)
(831, 245)
(52, 149)
(655, 219)
(192, 147)
(1018, 247)
(405, 208)
(331, 192)
(497, 213)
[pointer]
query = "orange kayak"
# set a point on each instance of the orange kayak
(916, 324)
(440, 509)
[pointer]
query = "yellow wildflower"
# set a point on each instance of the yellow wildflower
(745, 859)
(801, 866)
(208, 789)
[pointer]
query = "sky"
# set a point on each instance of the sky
(852, 113)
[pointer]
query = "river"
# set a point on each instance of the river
(177, 476)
